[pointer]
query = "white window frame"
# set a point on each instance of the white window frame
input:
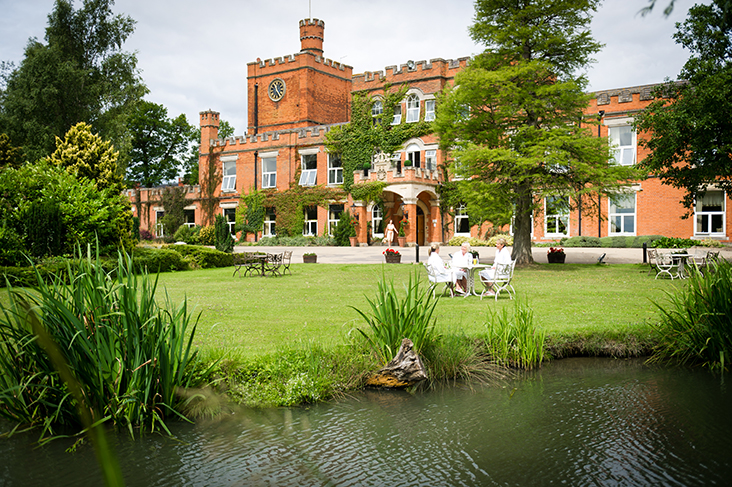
(555, 219)
(159, 227)
(335, 169)
(397, 115)
(414, 155)
(190, 211)
(333, 218)
(461, 213)
(269, 177)
(310, 225)
(228, 171)
(624, 151)
(270, 220)
(229, 215)
(309, 174)
(377, 111)
(412, 108)
(429, 110)
(704, 219)
(430, 160)
(617, 219)
(377, 219)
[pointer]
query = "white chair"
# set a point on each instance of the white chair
(435, 279)
(501, 281)
(668, 265)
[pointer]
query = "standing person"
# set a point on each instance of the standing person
(390, 231)
(503, 257)
(461, 263)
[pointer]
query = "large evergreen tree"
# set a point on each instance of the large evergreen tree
(80, 74)
(690, 131)
(513, 120)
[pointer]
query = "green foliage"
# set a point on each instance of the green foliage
(674, 243)
(11, 247)
(581, 241)
(359, 140)
(696, 322)
(368, 192)
(189, 235)
(80, 74)
(688, 124)
(9, 156)
(86, 155)
(204, 257)
(158, 260)
(476, 242)
(126, 354)
(512, 125)
(45, 229)
(344, 229)
(250, 213)
(158, 144)
(298, 241)
(224, 242)
(393, 318)
(174, 201)
(290, 204)
(207, 235)
(87, 214)
(515, 341)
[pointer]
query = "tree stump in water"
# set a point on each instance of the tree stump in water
(404, 370)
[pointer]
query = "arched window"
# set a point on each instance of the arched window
(413, 157)
(377, 109)
(412, 108)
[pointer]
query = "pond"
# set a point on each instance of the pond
(576, 421)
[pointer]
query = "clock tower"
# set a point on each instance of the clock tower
(298, 90)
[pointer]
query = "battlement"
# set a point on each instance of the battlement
(291, 58)
(317, 22)
(314, 132)
(405, 72)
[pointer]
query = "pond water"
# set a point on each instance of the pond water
(578, 422)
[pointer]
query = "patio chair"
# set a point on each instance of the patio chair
(286, 258)
(668, 265)
(249, 263)
(652, 257)
(272, 264)
(501, 281)
(435, 279)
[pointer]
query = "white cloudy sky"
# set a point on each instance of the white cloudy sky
(194, 53)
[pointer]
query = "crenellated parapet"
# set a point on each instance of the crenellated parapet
(316, 133)
(410, 71)
(293, 58)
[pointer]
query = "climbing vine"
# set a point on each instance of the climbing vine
(369, 192)
(250, 213)
(358, 141)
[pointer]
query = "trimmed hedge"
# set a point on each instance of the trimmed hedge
(158, 260)
(203, 257)
(610, 242)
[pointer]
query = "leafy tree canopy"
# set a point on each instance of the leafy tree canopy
(159, 144)
(9, 156)
(79, 74)
(88, 156)
(513, 120)
(690, 133)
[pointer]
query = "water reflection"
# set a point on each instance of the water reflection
(575, 422)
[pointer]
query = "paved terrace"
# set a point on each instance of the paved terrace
(374, 254)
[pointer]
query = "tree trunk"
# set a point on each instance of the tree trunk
(522, 226)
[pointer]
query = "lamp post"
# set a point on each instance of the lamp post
(600, 114)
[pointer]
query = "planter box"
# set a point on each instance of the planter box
(556, 258)
(309, 259)
(393, 259)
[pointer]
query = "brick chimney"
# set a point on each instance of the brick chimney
(311, 36)
(209, 128)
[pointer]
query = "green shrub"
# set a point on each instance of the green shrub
(158, 260)
(207, 236)
(476, 242)
(187, 234)
(344, 230)
(581, 241)
(515, 341)
(696, 323)
(299, 241)
(11, 248)
(204, 257)
(674, 243)
(224, 242)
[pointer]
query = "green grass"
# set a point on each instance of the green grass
(248, 316)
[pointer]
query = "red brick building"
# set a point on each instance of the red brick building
(294, 100)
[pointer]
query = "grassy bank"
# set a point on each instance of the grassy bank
(584, 309)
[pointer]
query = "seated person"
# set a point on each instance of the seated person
(461, 263)
(437, 264)
(503, 256)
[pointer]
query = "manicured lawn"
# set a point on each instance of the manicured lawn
(252, 315)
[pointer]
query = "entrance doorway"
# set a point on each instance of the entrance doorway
(420, 227)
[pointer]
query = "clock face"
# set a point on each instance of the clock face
(276, 89)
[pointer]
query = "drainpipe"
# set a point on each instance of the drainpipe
(600, 114)
(256, 156)
(256, 108)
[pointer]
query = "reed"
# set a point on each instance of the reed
(696, 322)
(128, 354)
(393, 318)
(514, 340)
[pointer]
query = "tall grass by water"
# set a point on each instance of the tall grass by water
(128, 354)
(514, 340)
(696, 322)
